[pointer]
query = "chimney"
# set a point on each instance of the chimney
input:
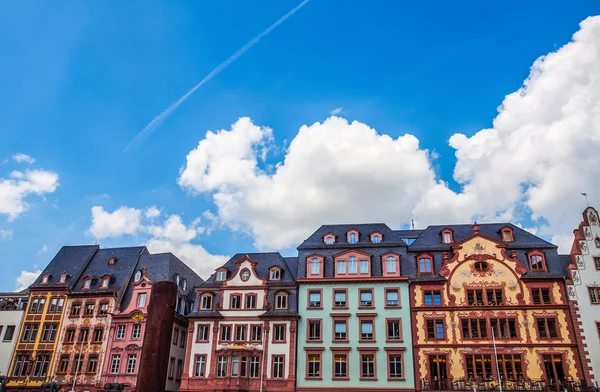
(475, 228)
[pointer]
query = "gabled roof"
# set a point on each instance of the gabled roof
(315, 240)
(71, 260)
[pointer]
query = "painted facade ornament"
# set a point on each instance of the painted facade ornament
(137, 317)
(592, 218)
(580, 263)
(575, 277)
(482, 274)
(478, 248)
(583, 246)
(571, 292)
(587, 232)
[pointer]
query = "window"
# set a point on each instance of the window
(256, 333)
(37, 305)
(63, 278)
(352, 265)
(41, 305)
(541, 296)
(547, 328)
(179, 370)
(489, 297)
(598, 328)
(314, 299)
(376, 239)
(221, 275)
(474, 328)
(141, 300)
(281, 301)
(40, 367)
(245, 275)
(202, 333)
(393, 330)
(481, 266)
(9, 333)
(341, 267)
(136, 332)
(34, 304)
(206, 302)
(340, 299)
(328, 240)
(240, 333)
(120, 332)
(254, 366)
(45, 279)
(366, 298)
(594, 295)
(435, 329)
(54, 305)
(87, 283)
(597, 262)
(184, 284)
(479, 366)
(78, 363)
(92, 364)
(200, 366)
(432, 297)
(103, 308)
(89, 309)
(390, 264)
(21, 365)
(315, 268)
(366, 330)
(340, 330)
(425, 265)
(112, 260)
(504, 328)
(367, 369)
(138, 276)
(83, 334)
(511, 366)
(279, 333)
(395, 366)
(175, 337)
(177, 279)
(29, 332)
(222, 366)
(277, 366)
(236, 301)
(104, 283)
(352, 238)
(76, 309)
(70, 335)
(447, 238)
(314, 365)
(225, 333)
(536, 261)
(131, 360)
(114, 364)
(63, 365)
(340, 365)
(49, 332)
(507, 235)
(392, 298)
(250, 301)
(314, 330)
(364, 266)
(275, 274)
(171, 370)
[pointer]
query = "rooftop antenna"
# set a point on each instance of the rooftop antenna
(412, 223)
(584, 194)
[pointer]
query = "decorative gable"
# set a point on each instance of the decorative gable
(245, 273)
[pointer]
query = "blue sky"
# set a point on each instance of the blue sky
(81, 79)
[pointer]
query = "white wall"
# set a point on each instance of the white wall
(178, 353)
(8, 317)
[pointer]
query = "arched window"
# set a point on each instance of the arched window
(352, 265)
(391, 264)
(481, 266)
(352, 238)
(138, 276)
(537, 262)
(315, 266)
(507, 234)
(329, 240)
(184, 284)
(447, 237)
(376, 239)
(425, 265)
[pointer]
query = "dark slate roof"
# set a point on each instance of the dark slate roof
(69, 259)
(315, 240)
(264, 262)
(164, 266)
(565, 261)
(120, 272)
(292, 264)
(408, 233)
(431, 239)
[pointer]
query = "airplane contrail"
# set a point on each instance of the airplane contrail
(214, 73)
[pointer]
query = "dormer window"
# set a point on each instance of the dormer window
(62, 278)
(104, 281)
(221, 275)
(352, 238)
(137, 276)
(45, 279)
(314, 266)
(281, 300)
(376, 239)
(275, 274)
(447, 237)
(87, 283)
(112, 260)
(245, 275)
(184, 285)
(507, 234)
(329, 239)
(537, 261)
(206, 302)
(425, 264)
(177, 279)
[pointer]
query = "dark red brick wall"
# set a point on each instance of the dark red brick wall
(157, 338)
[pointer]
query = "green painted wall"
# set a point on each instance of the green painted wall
(354, 331)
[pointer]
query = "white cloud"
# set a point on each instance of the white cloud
(540, 154)
(23, 158)
(15, 190)
(124, 220)
(5, 234)
(174, 229)
(43, 249)
(26, 278)
(336, 111)
(152, 212)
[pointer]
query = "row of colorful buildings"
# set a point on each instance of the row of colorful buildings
(360, 307)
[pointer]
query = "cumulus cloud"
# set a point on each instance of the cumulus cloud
(26, 278)
(170, 235)
(124, 220)
(336, 111)
(529, 167)
(20, 185)
(5, 234)
(23, 158)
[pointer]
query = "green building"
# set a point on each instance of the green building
(354, 331)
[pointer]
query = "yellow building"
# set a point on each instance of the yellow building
(489, 305)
